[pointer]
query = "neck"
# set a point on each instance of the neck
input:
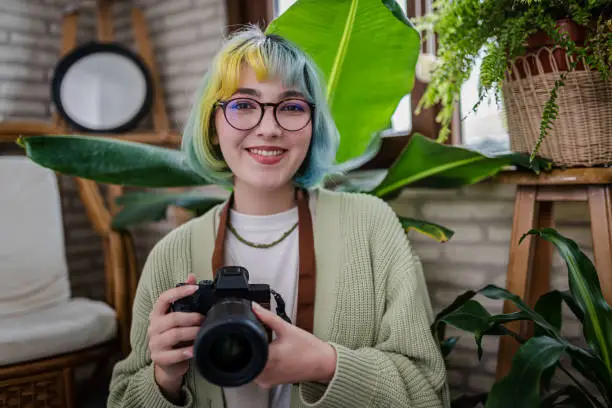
(253, 201)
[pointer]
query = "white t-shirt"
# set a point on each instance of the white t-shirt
(278, 267)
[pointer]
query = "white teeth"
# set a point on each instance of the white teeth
(266, 152)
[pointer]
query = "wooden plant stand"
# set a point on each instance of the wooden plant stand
(529, 265)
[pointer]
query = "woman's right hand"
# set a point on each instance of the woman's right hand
(168, 329)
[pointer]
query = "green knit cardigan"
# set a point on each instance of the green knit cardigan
(371, 305)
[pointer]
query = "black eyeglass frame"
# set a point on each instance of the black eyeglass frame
(262, 105)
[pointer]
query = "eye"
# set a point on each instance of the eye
(294, 106)
(242, 105)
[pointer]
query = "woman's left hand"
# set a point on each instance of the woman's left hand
(295, 355)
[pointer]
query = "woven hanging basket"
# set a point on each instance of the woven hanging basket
(581, 135)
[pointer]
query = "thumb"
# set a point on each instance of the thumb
(191, 279)
(270, 319)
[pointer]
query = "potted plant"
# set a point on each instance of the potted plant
(367, 73)
(547, 61)
(528, 384)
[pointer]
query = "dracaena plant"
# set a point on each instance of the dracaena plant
(367, 72)
(528, 383)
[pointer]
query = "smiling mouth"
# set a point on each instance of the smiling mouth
(267, 152)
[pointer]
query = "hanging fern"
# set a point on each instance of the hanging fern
(499, 29)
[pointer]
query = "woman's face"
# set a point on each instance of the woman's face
(267, 156)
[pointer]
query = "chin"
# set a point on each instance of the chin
(267, 182)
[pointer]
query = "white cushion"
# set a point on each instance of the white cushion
(70, 326)
(33, 267)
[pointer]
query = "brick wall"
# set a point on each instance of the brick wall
(481, 216)
(185, 34)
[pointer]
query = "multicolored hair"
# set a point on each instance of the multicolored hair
(270, 56)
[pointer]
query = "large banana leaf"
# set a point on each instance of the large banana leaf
(586, 290)
(149, 206)
(367, 51)
(111, 161)
(425, 163)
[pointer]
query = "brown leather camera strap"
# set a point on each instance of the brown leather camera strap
(307, 276)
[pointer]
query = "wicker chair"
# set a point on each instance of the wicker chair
(45, 333)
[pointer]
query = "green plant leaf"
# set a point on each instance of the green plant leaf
(435, 231)
(150, 206)
(592, 368)
(425, 163)
(568, 396)
(112, 161)
(368, 58)
(529, 363)
(356, 162)
(586, 290)
(495, 292)
(549, 307)
(438, 326)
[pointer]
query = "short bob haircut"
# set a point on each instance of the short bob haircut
(270, 56)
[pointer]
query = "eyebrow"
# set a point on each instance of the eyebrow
(254, 92)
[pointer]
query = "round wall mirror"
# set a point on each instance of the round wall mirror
(102, 88)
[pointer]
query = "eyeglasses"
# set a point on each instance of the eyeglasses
(247, 113)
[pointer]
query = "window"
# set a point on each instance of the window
(486, 129)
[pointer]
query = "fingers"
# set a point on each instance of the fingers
(172, 356)
(274, 322)
(166, 298)
(171, 320)
(191, 279)
(170, 338)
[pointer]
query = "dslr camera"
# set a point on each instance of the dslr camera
(231, 347)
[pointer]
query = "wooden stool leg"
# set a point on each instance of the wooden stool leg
(540, 277)
(600, 208)
(518, 275)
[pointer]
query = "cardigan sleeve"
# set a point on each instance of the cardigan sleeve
(133, 382)
(404, 368)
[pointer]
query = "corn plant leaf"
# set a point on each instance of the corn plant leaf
(425, 163)
(567, 396)
(432, 230)
(495, 292)
(549, 307)
(586, 290)
(150, 206)
(367, 52)
(111, 161)
(438, 326)
(529, 363)
(592, 368)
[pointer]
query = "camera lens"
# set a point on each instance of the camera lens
(231, 348)
(230, 353)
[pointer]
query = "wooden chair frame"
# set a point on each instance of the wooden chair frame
(49, 382)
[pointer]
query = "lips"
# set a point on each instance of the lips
(267, 155)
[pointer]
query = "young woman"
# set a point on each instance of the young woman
(351, 282)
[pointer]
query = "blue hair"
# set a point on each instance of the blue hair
(270, 56)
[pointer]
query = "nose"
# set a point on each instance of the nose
(268, 127)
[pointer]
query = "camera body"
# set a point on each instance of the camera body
(230, 282)
(231, 347)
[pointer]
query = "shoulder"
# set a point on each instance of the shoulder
(360, 207)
